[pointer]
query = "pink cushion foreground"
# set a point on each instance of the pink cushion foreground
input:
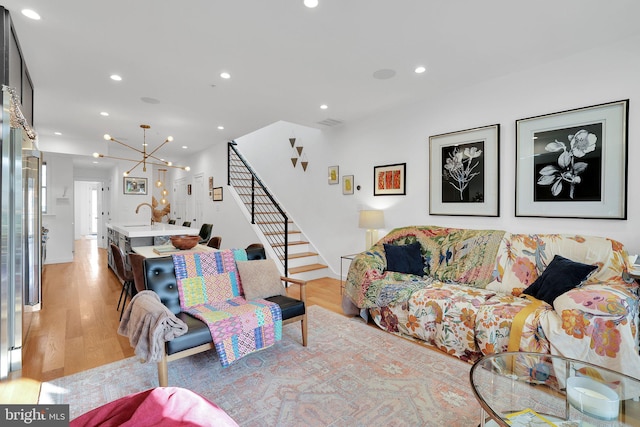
(161, 406)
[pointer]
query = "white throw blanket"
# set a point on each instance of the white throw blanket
(149, 324)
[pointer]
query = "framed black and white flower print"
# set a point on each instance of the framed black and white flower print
(573, 164)
(464, 172)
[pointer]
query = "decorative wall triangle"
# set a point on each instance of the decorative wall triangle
(299, 150)
(292, 141)
(294, 160)
(304, 165)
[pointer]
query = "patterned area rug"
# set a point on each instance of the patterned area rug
(351, 374)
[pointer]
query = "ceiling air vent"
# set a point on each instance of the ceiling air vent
(330, 122)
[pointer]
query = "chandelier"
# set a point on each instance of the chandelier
(145, 155)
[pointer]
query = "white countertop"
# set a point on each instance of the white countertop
(157, 229)
(147, 251)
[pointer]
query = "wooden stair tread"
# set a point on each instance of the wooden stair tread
(299, 255)
(278, 233)
(272, 222)
(277, 245)
(305, 268)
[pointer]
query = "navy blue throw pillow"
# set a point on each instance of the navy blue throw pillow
(560, 276)
(404, 258)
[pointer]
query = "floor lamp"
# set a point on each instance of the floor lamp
(371, 220)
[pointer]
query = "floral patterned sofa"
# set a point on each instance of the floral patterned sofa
(468, 302)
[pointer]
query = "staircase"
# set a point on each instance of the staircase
(283, 238)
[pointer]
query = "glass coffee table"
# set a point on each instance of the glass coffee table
(533, 389)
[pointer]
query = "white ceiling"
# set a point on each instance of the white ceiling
(285, 60)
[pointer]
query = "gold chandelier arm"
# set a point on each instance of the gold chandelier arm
(116, 158)
(138, 164)
(127, 145)
(163, 162)
(156, 149)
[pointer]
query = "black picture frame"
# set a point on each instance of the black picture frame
(217, 194)
(573, 163)
(390, 180)
(464, 176)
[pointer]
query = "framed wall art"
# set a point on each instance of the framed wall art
(217, 194)
(390, 180)
(334, 177)
(137, 186)
(347, 184)
(464, 172)
(573, 164)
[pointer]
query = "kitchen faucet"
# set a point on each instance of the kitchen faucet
(150, 207)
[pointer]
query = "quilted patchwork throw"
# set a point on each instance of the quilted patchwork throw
(210, 290)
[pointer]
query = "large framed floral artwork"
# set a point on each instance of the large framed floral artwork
(573, 164)
(464, 172)
(390, 180)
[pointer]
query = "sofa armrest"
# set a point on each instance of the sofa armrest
(611, 300)
(365, 268)
(301, 283)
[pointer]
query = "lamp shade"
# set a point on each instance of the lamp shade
(371, 220)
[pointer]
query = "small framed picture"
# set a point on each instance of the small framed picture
(137, 186)
(390, 180)
(217, 194)
(334, 178)
(573, 164)
(347, 184)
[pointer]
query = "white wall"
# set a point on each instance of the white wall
(228, 220)
(123, 206)
(59, 218)
(329, 218)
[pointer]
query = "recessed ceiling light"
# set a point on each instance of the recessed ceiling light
(311, 3)
(31, 14)
(104, 113)
(116, 77)
(57, 133)
(420, 69)
(384, 74)
(185, 147)
(95, 163)
(324, 106)
(225, 75)
(220, 127)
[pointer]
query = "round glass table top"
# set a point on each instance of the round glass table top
(522, 389)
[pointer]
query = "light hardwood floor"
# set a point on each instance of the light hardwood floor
(77, 327)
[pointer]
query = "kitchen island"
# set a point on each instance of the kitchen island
(126, 236)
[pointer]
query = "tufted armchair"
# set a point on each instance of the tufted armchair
(160, 278)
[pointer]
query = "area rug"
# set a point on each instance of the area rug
(351, 374)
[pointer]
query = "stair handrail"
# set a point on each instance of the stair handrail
(231, 145)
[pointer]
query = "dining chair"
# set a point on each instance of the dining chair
(136, 261)
(205, 232)
(186, 224)
(215, 242)
(255, 251)
(125, 275)
(172, 221)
